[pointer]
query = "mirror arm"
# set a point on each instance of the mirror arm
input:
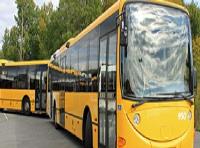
(120, 18)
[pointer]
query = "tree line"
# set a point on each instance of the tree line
(39, 31)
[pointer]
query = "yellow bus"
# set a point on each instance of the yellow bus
(128, 79)
(23, 86)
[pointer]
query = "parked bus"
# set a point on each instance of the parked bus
(128, 79)
(23, 86)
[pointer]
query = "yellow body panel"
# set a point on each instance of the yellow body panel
(4, 61)
(75, 104)
(161, 125)
(95, 136)
(68, 123)
(12, 98)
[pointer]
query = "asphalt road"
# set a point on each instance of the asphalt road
(197, 140)
(19, 131)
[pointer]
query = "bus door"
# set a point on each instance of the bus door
(50, 93)
(107, 91)
(62, 92)
(41, 84)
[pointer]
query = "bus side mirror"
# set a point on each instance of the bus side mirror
(123, 36)
(123, 29)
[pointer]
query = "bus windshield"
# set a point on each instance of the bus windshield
(156, 60)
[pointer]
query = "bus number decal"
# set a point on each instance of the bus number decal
(182, 116)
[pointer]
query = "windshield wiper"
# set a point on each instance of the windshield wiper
(139, 103)
(175, 94)
(180, 95)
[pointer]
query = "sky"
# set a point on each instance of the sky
(8, 9)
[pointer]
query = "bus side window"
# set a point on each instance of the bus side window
(112, 62)
(83, 47)
(93, 61)
(74, 68)
(22, 78)
(69, 87)
(32, 74)
(102, 64)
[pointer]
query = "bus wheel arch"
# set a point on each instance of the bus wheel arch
(26, 105)
(87, 128)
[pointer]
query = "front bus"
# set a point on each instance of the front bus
(129, 85)
(155, 76)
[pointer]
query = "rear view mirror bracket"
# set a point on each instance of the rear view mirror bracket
(123, 29)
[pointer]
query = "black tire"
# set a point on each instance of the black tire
(26, 109)
(88, 142)
(55, 117)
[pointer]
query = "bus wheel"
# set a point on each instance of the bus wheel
(26, 107)
(88, 132)
(55, 117)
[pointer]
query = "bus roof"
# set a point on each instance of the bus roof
(24, 63)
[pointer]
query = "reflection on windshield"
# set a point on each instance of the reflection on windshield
(157, 51)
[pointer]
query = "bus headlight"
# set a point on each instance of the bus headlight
(136, 119)
(189, 115)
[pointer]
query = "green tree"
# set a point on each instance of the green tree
(196, 52)
(45, 14)
(1, 54)
(10, 44)
(40, 31)
(107, 3)
(70, 19)
(27, 25)
(194, 11)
